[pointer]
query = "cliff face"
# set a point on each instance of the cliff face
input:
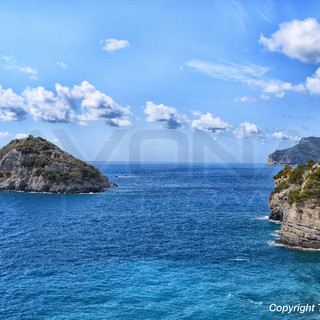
(307, 148)
(296, 203)
(34, 164)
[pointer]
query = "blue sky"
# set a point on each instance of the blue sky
(238, 77)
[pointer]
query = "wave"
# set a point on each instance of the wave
(255, 302)
(275, 244)
(239, 259)
(275, 234)
(127, 176)
(263, 218)
(272, 243)
(275, 221)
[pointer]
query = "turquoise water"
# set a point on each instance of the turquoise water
(172, 242)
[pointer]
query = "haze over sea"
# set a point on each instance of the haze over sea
(173, 241)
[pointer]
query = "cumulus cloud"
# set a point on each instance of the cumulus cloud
(114, 44)
(261, 98)
(169, 116)
(277, 87)
(297, 39)
(79, 104)
(228, 71)
(246, 130)
(207, 123)
(21, 135)
(282, 136)
(96, 105)
(4, 134)
(12, 106)
(45, 105)
(9, 62)
(313, 83)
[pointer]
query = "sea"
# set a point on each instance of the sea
(173, 241)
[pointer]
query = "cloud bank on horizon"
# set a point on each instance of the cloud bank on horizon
(82, 104)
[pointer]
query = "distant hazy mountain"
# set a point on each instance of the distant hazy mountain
(307, 148)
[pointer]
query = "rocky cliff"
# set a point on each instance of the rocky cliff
(37, 165)
(307, 148)
(296, 203)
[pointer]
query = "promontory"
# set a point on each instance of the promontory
(37, 165)
(295, 202)
(307, 148)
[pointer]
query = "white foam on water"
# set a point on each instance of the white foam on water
(239, 259)
(263, 218)
(255, 302)
(274, 244)
(275, 221)
(128, 176)
(275, 234)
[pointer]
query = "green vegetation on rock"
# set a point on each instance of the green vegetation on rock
(284, 172)
(41, 153)
(296, 196)
(297, 173)
(297, 177)
(35, 164)
(281, 186)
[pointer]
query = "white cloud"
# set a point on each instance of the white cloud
(208, 123)
(169, 116)
(114, 122)
(249, 74)
(297, 39)
(282, 136)
(96, 105)
(261, 98)
(44, 105)
(246, 129)
(12, 106)
(313, 83)
(4, 134)
(10, 62)
(21, 135)
(114, 44)
(276, 87)
(228, 71)
(78, 104)
(62, 65)
(196, 113)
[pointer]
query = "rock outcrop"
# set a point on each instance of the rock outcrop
(296, 203)
(307, 148)
(37, 165)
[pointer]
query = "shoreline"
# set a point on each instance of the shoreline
(57, 193)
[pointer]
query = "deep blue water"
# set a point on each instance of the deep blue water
(171, 242)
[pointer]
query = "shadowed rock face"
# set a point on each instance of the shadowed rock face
(37, 165)
(307, 148)
(296, 203)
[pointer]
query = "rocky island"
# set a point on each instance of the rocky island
(307, 148)
(37, 165)
(295, 202)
